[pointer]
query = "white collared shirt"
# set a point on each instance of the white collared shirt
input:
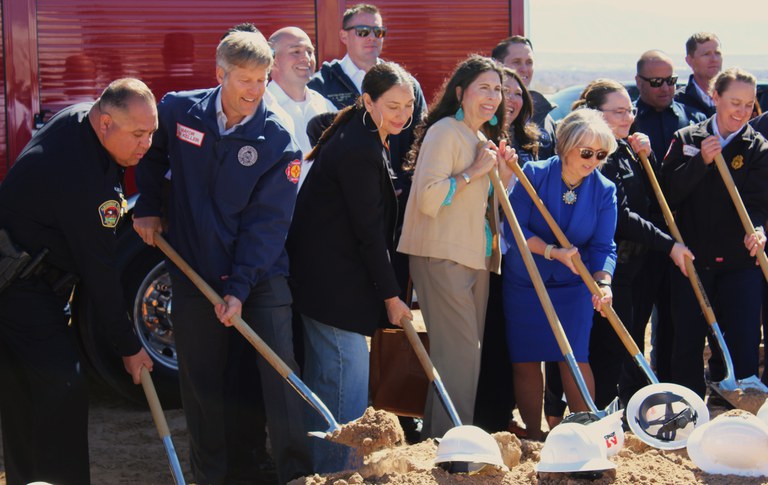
(723, 141)
(301, 112)
(704, 96)
(355, 73)
(221, 118)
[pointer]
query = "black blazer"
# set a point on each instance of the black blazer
(342, 233)
(707, 218)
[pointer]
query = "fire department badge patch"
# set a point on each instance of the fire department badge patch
(293, 171)
(109, 212)
(247, 156)
(737, 162)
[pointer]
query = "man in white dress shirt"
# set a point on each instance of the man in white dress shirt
(293, 68)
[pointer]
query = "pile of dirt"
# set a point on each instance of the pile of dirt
(636, 464)
(749, 399)
(373, 431)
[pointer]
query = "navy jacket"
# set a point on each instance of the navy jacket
(334, 84)
(64, 193)
(634, 198)
(232, 196)
(689, 96)
(342, 235)
(591, 227)
(541, 116)
(660, 126)
(706, 214)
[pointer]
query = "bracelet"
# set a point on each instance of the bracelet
(466, 177)
(548, 251)
(603, 283)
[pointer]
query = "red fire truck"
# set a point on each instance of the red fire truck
(54, 53)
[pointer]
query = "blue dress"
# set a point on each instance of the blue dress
(589, 224)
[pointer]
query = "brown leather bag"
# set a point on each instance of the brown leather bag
(397, 381)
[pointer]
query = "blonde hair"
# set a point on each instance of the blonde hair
(582, 126)
(243, 49)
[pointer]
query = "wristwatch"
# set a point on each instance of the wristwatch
(466, 177)
(602, 283)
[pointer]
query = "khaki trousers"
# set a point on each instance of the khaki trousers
(453, 299)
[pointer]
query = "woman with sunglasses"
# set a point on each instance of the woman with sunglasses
(583, 203)
(709, 223)
(340, 245)
(637, 233)
(494, 403)
(449, 227)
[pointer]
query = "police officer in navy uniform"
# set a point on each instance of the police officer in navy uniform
(63, 199)
(710, 225)
(234, 174)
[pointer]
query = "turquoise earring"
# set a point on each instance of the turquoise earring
(493, 121)
(459, 114)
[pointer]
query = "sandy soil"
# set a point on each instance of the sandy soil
(124, 444)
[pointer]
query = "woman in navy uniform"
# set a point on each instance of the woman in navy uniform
(636, 235)
(709, 223)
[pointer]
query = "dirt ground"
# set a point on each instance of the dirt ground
(126, 449)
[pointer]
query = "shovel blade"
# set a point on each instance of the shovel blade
(727, 389)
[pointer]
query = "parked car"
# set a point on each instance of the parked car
(566, 96)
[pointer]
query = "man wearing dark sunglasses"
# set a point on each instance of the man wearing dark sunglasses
(659, 116)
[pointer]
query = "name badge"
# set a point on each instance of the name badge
(690, 150)
(187, 134)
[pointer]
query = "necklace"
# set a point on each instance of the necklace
(569, 196)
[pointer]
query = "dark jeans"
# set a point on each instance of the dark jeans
(217, 370)
(44, 400)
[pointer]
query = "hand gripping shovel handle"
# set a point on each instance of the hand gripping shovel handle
(274, 360)
(430, 370)
(162, 426)
(745, 220)
(541, 291)
(608, 310)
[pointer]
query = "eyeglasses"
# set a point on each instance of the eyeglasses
(656, 82)
(587, 153)
(365, 30)
(621, 112)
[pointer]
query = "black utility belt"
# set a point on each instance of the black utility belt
(16, 263)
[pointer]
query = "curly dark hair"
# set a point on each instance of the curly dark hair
(448, 102)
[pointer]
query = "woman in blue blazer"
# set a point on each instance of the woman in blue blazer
(583, 203)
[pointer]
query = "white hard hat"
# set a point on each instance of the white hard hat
(664, 415)
(731, 445)
(609, 432)
(469, 444)
(762, 413)
(569, 447)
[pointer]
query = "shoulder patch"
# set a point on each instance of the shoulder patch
(293, 171)
(109, 213)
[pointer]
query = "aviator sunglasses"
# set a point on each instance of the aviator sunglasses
(587, 153)
(366, 30)
(656, 82)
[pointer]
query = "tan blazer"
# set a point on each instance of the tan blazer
(457, 231)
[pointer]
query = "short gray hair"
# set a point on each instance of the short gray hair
(243, 49)
(121, 92)
(581, 126)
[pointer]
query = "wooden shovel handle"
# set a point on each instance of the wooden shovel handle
(586, 276)
(736, 198)
(237, 321)
(693, 276)
(154, 404)
(530, 265)
(418, 347)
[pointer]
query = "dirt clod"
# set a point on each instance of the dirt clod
(373, 431)
(748, 399)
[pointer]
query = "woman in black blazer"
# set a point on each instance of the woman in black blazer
(340, 246)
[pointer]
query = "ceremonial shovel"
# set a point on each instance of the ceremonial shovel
(162, 426)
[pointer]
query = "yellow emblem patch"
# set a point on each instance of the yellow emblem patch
(109, 213)
(737, 162)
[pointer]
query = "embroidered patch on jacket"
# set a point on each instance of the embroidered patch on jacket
(187, 134)
(293, 171)
(109, 212)
(737, 162)
(247, 156)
